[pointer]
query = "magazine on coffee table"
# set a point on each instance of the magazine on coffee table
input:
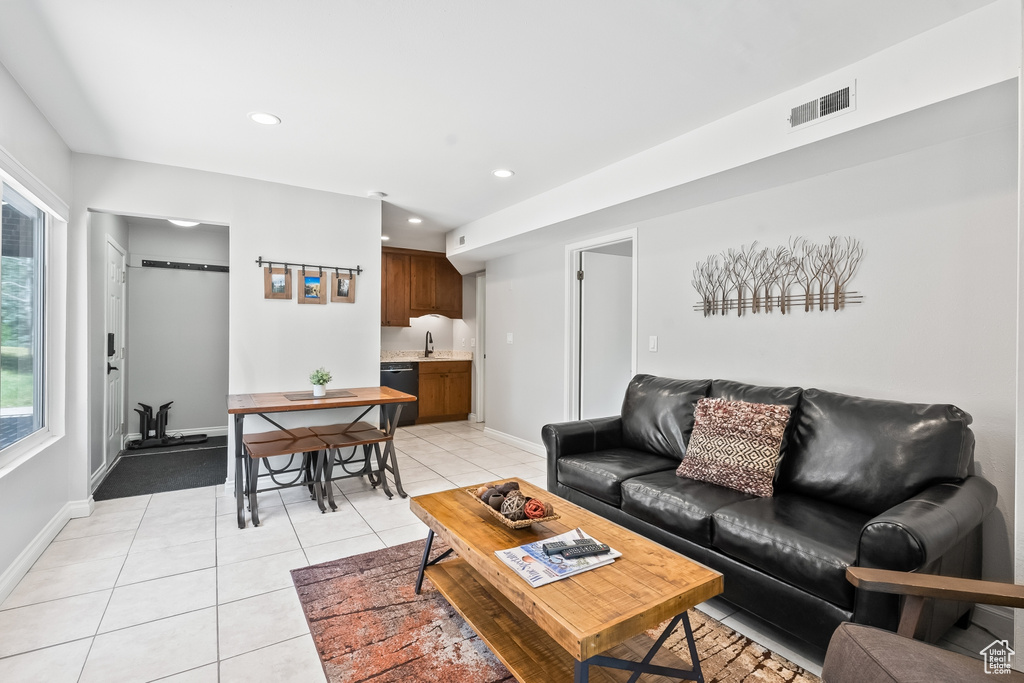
(537, 568)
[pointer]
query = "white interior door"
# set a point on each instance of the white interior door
(114, 354)
(606, 329)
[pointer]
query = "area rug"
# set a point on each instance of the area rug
(369, 625)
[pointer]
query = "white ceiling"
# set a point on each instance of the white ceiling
(421, 99)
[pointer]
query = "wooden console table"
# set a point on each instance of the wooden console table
(239, 405)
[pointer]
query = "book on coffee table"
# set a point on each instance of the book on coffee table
(538, 568)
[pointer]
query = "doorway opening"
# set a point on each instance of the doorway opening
(601, 352)
(158, 347)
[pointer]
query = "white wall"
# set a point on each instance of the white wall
(523, 386)
(936, 325)
(100, 226)
(273, 345)
(35, 492)
(178, 327)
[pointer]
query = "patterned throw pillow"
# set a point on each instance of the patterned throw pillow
(735, 444)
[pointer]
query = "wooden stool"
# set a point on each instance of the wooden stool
(358, 434)
(283, 442)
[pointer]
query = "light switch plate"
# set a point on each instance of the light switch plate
(652, 344)
(508, 337)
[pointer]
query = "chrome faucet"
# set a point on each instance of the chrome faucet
(427, 343)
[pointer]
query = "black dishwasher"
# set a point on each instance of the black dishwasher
(403, 377)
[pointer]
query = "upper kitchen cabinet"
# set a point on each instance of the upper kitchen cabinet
(394, 289)
(431, 285)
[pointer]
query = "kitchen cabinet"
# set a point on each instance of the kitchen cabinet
(444, 391)
(394, 289)
(429, 284)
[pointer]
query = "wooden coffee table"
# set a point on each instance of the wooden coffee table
(558, 631)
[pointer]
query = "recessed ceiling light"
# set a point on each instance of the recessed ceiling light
(377, 195)
(502, 173)
(264, 118)
(415, 220)
(184, 224)
(384, 238)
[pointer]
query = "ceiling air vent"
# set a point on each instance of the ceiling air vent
(826, 106)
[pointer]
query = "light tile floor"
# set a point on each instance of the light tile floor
(167, 587)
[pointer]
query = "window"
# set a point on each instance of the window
(21, 318)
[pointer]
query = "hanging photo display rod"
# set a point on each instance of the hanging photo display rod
(802, 274)
(315, 286)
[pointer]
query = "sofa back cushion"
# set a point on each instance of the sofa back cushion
(751, 393)
(657, 413)
(869, 454)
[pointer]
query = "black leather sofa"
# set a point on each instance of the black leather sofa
(859, 482)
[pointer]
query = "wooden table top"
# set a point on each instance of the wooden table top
(588, 613)
(277, 402)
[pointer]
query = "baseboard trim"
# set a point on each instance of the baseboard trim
(24, 561)
(527, 446)
(209, 431)
(995, 619)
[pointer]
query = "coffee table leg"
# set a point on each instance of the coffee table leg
(426, 554)
(644, 666)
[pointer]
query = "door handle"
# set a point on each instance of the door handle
(110, 367)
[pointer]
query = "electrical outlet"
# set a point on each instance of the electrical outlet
(652, 344)
(472, 342)
(508, 337)
(463, 342)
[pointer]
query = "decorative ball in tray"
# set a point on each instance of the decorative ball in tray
(510, 506)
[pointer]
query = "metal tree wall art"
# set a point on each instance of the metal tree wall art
(754, 278)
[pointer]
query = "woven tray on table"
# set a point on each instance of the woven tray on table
(521, 524)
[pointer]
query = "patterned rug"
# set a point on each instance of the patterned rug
(369, 625)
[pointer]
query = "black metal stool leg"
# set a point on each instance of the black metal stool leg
(312, 456)
(328, 468)
(381, 471)
(392, 456)
(254, 473)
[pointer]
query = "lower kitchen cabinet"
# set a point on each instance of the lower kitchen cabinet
(444, 391)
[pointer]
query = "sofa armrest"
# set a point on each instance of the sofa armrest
(919, 531)
(582, 436)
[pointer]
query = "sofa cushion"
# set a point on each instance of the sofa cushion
(752, 393)
(870, 454)
(657, 413)
(805, 542)
(680, 506)
(735, 444)
(601, 473)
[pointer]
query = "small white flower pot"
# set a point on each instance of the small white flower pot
(319, 390)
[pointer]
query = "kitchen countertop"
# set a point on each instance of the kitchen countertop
(417, 356)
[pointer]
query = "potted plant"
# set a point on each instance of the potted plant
(319, 379)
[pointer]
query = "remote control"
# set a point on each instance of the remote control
(554, 548)
(558, 546)
(585, 551)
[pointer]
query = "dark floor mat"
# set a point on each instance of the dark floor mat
(209, 443)
(147, 472)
